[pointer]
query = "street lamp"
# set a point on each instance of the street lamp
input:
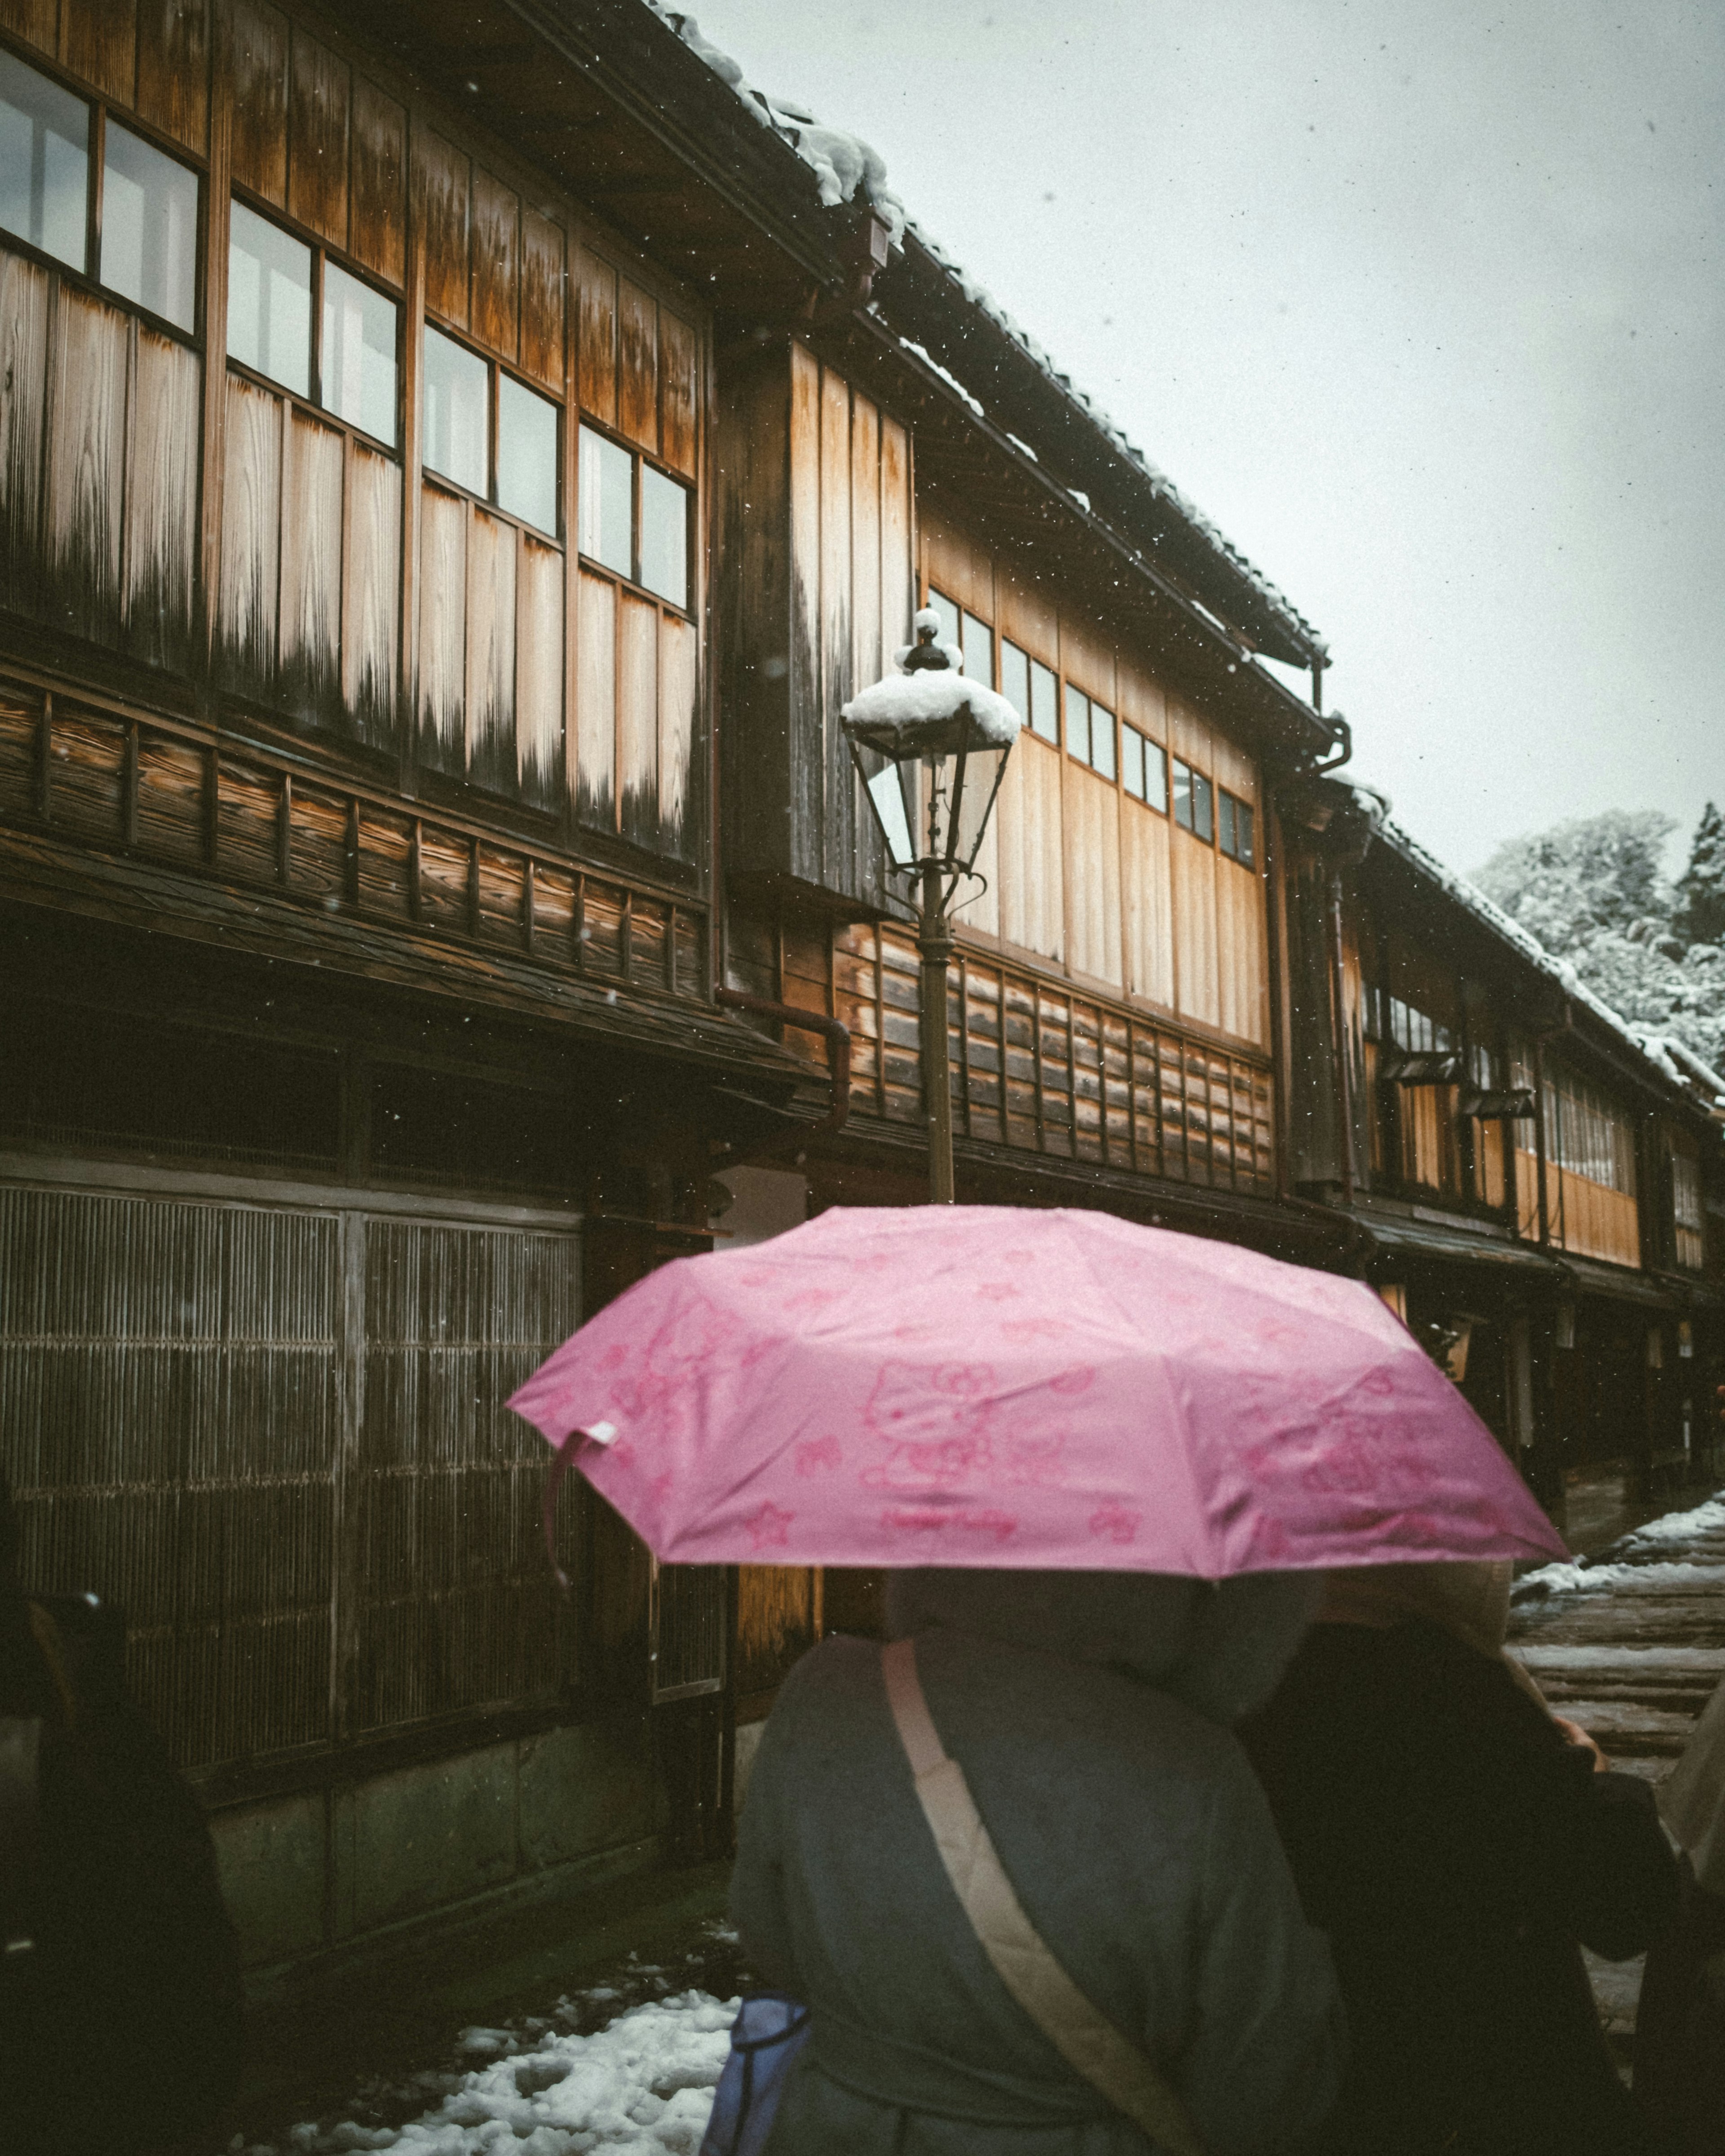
(931, 748)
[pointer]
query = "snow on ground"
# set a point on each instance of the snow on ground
(1708, 1519)
(1656, 1579)
(644, 2082)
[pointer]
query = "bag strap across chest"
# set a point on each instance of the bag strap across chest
(1084, 2036)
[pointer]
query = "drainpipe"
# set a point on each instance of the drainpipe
(837, 1036)
(1539, 1138)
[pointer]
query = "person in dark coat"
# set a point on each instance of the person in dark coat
(1090, 1714)
(1454, 1841)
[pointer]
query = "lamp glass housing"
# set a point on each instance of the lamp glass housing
(930, 799)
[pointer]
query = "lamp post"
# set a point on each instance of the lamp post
(931, 748)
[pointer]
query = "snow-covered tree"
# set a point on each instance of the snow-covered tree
(1701, 890)
(1591, 891)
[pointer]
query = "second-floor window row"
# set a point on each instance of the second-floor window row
(87, 191)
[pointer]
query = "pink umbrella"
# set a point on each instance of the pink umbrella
(984, 1386)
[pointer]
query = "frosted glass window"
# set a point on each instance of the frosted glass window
(949, 616)
(1077, 723)
(1193, 803)
(526, 455)
(358, 365)
(457, 397)
(977, 643)
(1245, 848)
(1155, 777)
(269, 301)
(44, 161)
(149, 228)
(1101, 739)
(607, 512)
(664, 536)
(1132, 762)
(1225, 822)
(1015, 680)
(1045, 702)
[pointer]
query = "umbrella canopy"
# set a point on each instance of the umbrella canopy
(985, 1386)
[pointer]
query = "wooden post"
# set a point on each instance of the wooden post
(1539, 1137)
(934, 941)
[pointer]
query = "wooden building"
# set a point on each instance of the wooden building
(454, 465)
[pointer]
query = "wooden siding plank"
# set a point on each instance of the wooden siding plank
(638, 365)
(491, 651)
(251, 534)
(377, 199)
(867, 661)
(596, 317)
(496, 264)
(1242, 949)
(638, 720)
(1149, 945)
(319, 94)
(1193, 884)
(596, 706)
(101, 44)
(441, 184)
(1092, 837)
(174, 68)
(23, 402)
(898, 593)
(679, 392)
(310, 632)
(542, 300)
(36, 21)
(1032, 906)
(804, 718)
(539, 673)
(836, 658)
(160, 537)
(170, 781)
(259, 101)
(371, 595)
(679, 679)
(86, 465)
(442, 623)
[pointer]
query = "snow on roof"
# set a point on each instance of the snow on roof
(1673, 1062)
(846, 167)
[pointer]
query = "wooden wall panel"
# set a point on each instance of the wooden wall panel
(955, 566)
(443, 620)
(251, 534)
(638, 720)
(441, 182)
(868, 659)
(1232, 767)
(542, 300)
(490, 651)
(160, 537)
(596, 329)
(259, 147)
(85, 465)
(1192, 882)
(1143, 703)
(1242, 982)
(319, 95)
(1189, 735)
(36, 21)
(897, 581)
(1092, 835)
(101, 44)
(496, 264)
(836, 680)
(679, 392)
(1149, 927)
(539, 672)
(23, 402)
(378, 201)
(1031, 849)
(806, 744)
(596, 704)
(638, 366)
(312, 468)
(1087, 659)
(1029, 619)
(174, 68)
(371, 595)
(679, 679)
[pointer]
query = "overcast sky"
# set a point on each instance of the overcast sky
(1422, 303)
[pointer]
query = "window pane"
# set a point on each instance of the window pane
(1244, 850)
(949, 616)
(1101, 739)
(1224, 819)
(457, 389)
(1044, 706)
(269, 301)
(1132, 762)
(1182, 795)
(358, 354)
(664, 536)
(1077, 723)
(979, 645)
(526, 455)
(1202, 822)
(44, 161)
(1015, 680)
(607, 512)
(149, 228)
(1155, 777)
